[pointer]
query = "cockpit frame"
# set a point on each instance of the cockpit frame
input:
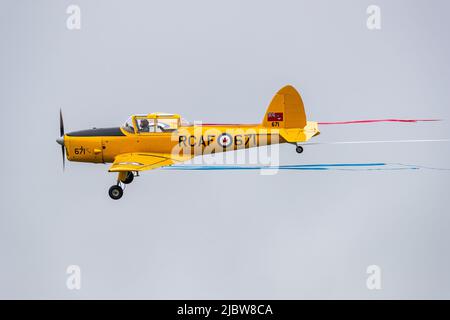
(152, 123)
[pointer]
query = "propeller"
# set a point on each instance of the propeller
(61, 124)
(61, 139)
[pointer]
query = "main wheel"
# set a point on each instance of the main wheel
(115, 192)
(299, 149)
(129, 178)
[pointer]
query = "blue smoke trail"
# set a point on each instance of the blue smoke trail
(318, 167)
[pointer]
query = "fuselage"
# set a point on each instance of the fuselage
(103, 145)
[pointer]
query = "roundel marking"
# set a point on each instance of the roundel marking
(225, 140)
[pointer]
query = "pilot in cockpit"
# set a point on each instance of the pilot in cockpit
(144, 126)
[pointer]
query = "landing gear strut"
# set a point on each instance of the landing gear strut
(116, 192)
(128, 178)
(299, 149)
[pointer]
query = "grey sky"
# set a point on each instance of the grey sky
(185, 234)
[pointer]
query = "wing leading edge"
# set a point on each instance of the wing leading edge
(141, 161)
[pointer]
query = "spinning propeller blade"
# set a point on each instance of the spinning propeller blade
(63, 157)
(61, 124)
(61, 139)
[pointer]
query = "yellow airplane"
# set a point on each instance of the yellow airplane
(147, 142)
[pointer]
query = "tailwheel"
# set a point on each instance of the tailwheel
(115, 192)
(299, 149)
(128, 178)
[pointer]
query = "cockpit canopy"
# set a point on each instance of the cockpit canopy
(154, 122)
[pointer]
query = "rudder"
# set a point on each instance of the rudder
(286, 110)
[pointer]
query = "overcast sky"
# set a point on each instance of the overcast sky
(226, 234)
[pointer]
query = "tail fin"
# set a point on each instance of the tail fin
(286, 110)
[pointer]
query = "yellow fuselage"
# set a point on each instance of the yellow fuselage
(97, 147)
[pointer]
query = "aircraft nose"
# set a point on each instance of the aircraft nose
(60, 141)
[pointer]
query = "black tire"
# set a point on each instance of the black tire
(129, 178)
(299, 149)
(115, 192)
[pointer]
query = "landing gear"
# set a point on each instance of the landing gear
(299, 149)
(124, 178)
(116, 192)
(128, 178)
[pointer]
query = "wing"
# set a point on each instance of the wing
(141, 161)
